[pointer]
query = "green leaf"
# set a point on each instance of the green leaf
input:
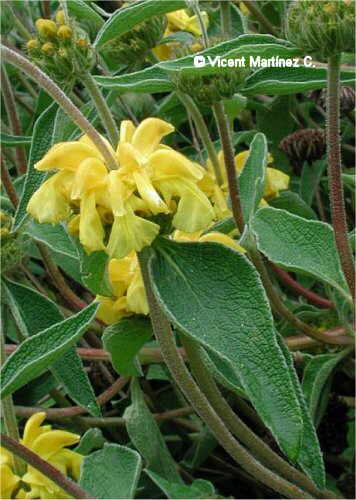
(310, 458)
(293, 203)
(112, 472)
(309, 180)
(200, 488)
(151, 80)
(93, 270)
(38, 352)
(37, 313)
(252, 177)
(147, 438)
(283, 81)
(14, 140)
(92, 439)
(54, 236)
(126, 18)
(299, 245)
(316, 374)
(123, 341)
(41, 142)
(254, 45)
(214, 295)
(86, 16)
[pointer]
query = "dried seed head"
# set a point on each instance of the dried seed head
(304, 145)
(347, 99)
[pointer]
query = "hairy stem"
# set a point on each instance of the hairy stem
(229, 159)
(334, 170)
(225, 17)
(14, 122)
(102, 107)
(261, 18)
(243, 433)
(59, 96)
(8, 185)
(198, 400)
(44, 467)
(203, 133)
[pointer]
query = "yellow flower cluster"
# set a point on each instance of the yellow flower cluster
(180, 20)
(51, 446)
(151, 178)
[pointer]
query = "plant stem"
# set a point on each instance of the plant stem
(14, 122)
(334, 170)
(243, 433)
(44, 467)
(203, 133)
(58, 279)
(225, 17)
(261, 18)
(229, 159)
(59, 96)
(8, 185)
(195, 7)
(102, 107)
(199, 402)
(8, 413)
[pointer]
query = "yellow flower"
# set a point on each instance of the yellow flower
(180, 20)
(128, 288)
(213, 236)
(113, 206)
(50, 445)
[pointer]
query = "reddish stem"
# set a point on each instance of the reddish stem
(8, 185)
(294, 285)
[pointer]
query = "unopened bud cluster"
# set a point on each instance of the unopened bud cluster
(135, 44)
(60, 50)
(12, 244)
(325, 28)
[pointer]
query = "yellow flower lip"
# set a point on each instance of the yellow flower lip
(67, 155)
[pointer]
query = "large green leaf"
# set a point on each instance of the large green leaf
(38, 352)
(293, 203)
(151, 80)
(200, 488)
(41, 142)
(299, 244)
(147, 438)
(252, 177)
(93, 271)
(215, 295)
(54, 236)
(123, 340)
(316, 374)
(310, 458)
(126, 18)
(37, 313)
(283, 81)
(112, 472)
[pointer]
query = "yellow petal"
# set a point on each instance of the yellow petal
(122, 270)
(69, 461)
(48, 204)
(8, 481)
(177, 19)
(73, 225)
(91, 231)
(149, 194)
(90, 175)
(136, 295)
(167, 163)
(109, 310)
(275, 181)
(193, 24)
(118, 193)
(149, 134)
(49, 443)
(86, 140)
(67, 155)
(127, 129)
(32, 428)
(224, 239)
(240, 160)
(129, 158)
(130, 232)
(182, 236)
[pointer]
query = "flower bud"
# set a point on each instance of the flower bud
(46, 28)
(32, 44)
(64, 33)
(60, 17)
(48, 49)
(325, 28)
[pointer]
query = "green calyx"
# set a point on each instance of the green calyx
(324, 28)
